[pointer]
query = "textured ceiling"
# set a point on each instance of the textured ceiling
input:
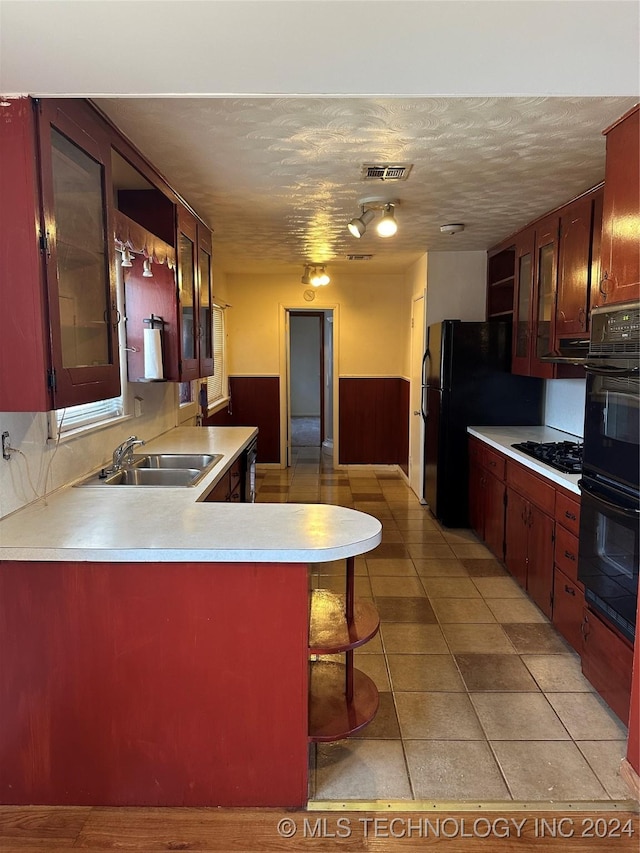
(279, 178)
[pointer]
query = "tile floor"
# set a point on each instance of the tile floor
(480, 698)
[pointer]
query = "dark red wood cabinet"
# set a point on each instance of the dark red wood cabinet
(579, 265)
(530, 534)
(607, 661)
(487, 495)
(56, 218)
(620, 273)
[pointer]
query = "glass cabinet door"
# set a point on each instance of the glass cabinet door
(522, 306)
(205, 302)
(78, 257)
(545, 291)
(187, 284)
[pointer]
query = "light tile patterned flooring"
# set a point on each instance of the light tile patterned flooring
(480, 697)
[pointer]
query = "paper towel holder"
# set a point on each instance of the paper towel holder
(155, 322)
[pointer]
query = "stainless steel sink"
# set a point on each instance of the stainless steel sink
(153, 477)
(200, 461)
(158, 469)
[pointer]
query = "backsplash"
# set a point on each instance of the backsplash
(564, 401)
(41, 467)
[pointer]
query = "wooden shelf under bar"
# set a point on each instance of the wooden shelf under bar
(331, 715)
(329, 630)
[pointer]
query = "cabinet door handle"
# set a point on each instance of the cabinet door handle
(582, 318)
(570, 515)
(603, 290)
(569, 589)
(584, 628)
(570, 556)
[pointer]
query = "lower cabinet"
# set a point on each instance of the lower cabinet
(568, 608)
(607, 662)
(229, 486)
(487, 496)
(529, 534)
(540, 530)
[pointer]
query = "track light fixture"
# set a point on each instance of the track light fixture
(127, 258)
(146, 269)
(386, 227)
(315, 274)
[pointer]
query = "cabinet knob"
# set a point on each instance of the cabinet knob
(569, 589)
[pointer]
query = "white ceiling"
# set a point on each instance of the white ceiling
(279, 178)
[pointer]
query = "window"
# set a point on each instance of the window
(217, 384)
(87, 414)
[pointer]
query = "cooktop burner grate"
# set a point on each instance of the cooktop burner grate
(564, 456)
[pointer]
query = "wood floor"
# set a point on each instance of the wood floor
(129, 830)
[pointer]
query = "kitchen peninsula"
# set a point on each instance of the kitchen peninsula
(154, 646)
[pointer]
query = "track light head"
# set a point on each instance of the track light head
(306, 276)
(387, 226)
(358, 226)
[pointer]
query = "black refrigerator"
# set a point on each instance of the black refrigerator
(467, 383)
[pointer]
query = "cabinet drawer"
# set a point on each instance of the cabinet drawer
(495, 462)
(566, 553)
(568, 512)
(539, 492)
(568, 606)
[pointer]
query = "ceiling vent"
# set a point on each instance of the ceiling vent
(359, 257)
(386, 171)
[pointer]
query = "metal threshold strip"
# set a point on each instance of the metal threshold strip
(434, 806)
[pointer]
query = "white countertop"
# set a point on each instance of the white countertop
(501, 438)
(174, 524)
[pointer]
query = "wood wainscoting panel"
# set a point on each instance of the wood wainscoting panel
(374, 421)
(255, 401)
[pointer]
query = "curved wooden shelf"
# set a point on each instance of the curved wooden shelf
(329, 631)
(331, 715)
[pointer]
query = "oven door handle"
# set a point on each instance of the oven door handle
(601, 370)
(630, 513)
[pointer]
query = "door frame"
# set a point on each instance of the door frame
(416, 466)
(285, 310)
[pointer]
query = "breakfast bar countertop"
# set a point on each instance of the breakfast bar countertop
(176, 524)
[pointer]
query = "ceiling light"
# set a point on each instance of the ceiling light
(387, 226)
(319, 277)
(358, 226)
(452, 229)
(306, 276)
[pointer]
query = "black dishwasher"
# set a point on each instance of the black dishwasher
(249, 483)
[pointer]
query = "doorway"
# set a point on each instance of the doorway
(309, 398)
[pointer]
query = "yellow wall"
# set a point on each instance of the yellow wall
(373, 322)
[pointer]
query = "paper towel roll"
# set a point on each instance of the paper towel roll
(153, 354)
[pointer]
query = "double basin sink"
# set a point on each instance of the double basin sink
(158, 469)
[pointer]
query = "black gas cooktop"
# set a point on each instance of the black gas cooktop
(562, 455)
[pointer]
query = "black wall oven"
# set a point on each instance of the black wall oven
(610, 505)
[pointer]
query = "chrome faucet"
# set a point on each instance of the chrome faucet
(123, 453)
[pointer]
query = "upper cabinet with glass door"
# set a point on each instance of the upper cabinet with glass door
(78, 254)
(58, 333)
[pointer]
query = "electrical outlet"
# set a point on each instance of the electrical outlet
(6, 446)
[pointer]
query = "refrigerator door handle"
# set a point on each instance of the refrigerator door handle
(424, 411)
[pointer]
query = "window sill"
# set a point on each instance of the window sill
(213, 408)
